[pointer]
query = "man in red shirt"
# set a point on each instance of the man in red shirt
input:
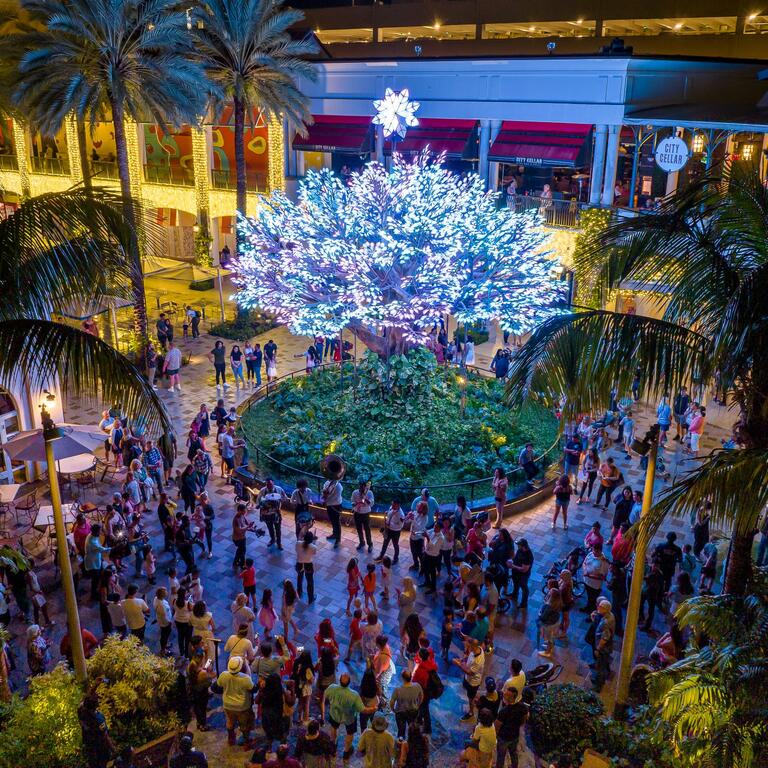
(425, 665)
(90, 643)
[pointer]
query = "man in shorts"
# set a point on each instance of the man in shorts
(472, 666)
(236, 698)
(343, 705)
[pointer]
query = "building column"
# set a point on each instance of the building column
(134, 140)
(484, 146)
(379, 144)
(598, 164)
(493, 168)
(611, 162)
(21, 146)
(674, 176)
(276, 150)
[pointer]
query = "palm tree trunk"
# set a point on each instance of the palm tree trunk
(129, 211)
(739, 571)
(240, 172)
(85, 163)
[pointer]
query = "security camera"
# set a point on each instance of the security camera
(551, 45)
(417, 50)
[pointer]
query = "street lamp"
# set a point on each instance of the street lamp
(51, 433)
(647, 446)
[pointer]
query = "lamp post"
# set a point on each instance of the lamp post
(51, 433)
(648, 446)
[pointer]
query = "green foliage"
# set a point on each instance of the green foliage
(643, 742)
(401, 425)
(203, 256)
(562, 718)
(43, 731)
(134, 692)
(246, 325)
(201, 285)
(12, 560)
(715, 699)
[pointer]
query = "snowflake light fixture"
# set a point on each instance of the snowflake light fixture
(396, 113)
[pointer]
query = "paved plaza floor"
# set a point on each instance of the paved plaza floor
(516, 633)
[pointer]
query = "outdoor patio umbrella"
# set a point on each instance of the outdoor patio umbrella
(75, 441)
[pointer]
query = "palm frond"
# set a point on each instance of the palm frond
(52, 353)
(61, 247)
(736, 482)
(584, 355)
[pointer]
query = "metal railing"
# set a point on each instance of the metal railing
(556, 213)
(9, 163)
(478, 492)
(50, 166)
(173, 175)
(103, 169)
(227, 179)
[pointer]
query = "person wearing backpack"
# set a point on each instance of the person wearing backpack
(425, 674)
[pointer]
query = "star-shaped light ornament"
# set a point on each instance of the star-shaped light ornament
(395, 113)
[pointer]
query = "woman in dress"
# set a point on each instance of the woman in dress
(38, 654)
(242, 614)
(204, 424)
(562, 493)
(267, 615)
(412, 633)
(588, 473)
(500, 485)
(383, 665)
(203, 625)
(303, 676)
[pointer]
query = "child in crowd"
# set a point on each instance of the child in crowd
(193, 585)
(267, 615)
(355, 634)
(689, 561)
(353, 581)
(173, 585)
(116, 613)
(248, 577)
(150, 563)
(446, 634)
(386, 576)
(369, 586)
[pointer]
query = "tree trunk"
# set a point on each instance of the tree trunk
(85, 163)
(240, 172)
(129, 211)
(394, 343)
(739, 570)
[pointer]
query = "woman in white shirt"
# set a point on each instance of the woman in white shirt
(393, 526)
(182, 613)
(242, 614)
(305, 566)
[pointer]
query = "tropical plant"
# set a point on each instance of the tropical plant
(562, 716)
(399, 424)
(704, 260)
(716, 697)
(111, 59)
(134, 687)
(396, 249)
(57, 250)
(43, 731)
(248, 52)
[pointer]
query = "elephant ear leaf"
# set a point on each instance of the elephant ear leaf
(12, 560)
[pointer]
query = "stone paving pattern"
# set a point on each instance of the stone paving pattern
(516, 632)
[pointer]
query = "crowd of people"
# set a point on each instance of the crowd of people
(144, 560)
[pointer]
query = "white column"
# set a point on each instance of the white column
(611, 161)
(493, 168)
(598, 164)
(378, 154)
(484, 146)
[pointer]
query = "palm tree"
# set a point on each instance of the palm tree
(247, 52)
(57, 249)
(715, 697)
(115, 59)
(704, 255)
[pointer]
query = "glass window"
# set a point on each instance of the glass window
(704, 25)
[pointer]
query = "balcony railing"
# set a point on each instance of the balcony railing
(173, 175)
(9, 163)
(556, 213)
(227, 179)
(102, 169)
(50, 166)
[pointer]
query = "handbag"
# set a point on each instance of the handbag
(435, 687)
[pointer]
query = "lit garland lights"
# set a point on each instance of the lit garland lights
(395, 249)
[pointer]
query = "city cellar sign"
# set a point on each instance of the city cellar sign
(671, 154)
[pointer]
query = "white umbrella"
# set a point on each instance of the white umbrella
(75, 441)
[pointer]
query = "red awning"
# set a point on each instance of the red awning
(334, 133)
(559, 145)
(457, 138)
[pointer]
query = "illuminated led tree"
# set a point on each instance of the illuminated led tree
(391, 252)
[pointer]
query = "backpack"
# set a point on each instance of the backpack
(435, 685)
